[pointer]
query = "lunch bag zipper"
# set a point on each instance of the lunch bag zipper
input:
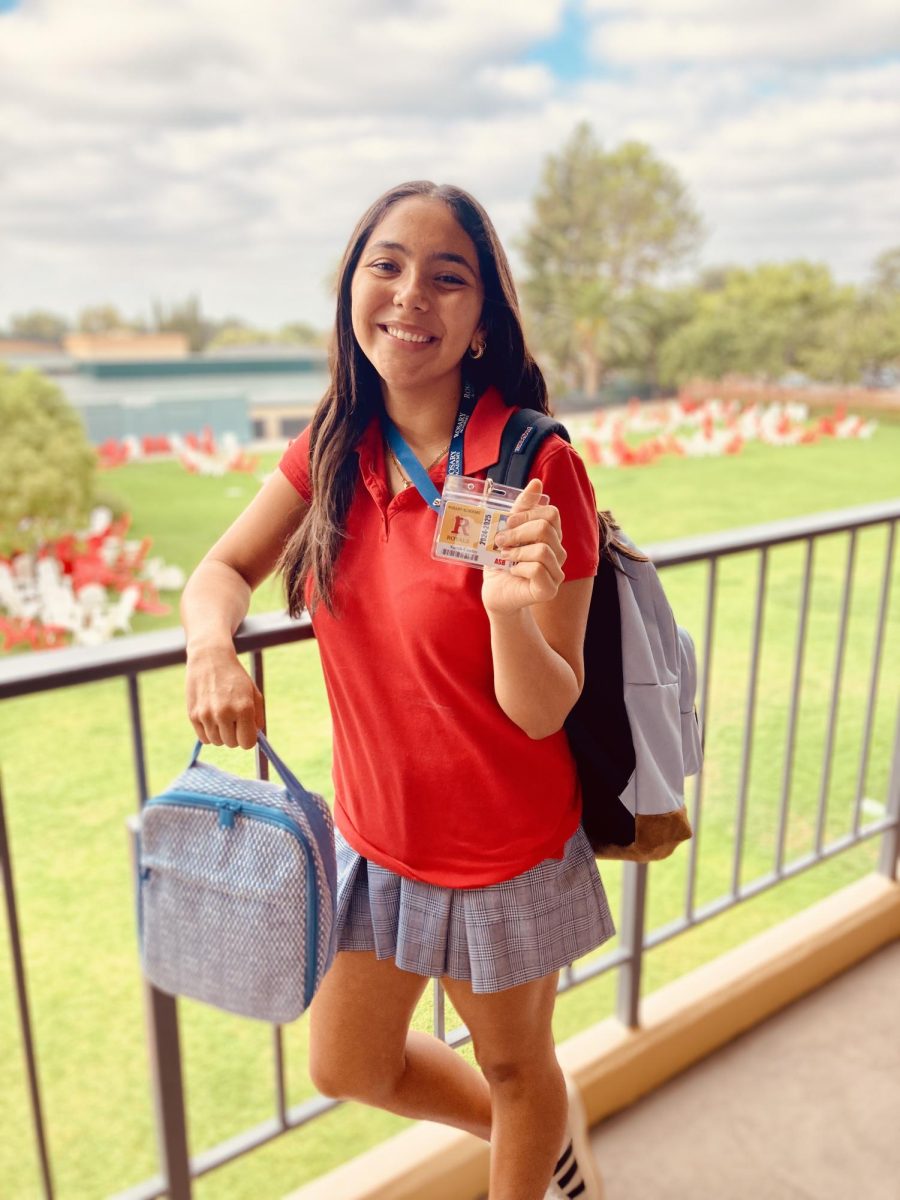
(228, 810)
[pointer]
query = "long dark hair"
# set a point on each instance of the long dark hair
(354, 394)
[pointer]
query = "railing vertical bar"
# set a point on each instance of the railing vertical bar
(828, 752)
(890, 840)
(163, 1042)
(137, 737)
(15, 943)
(631, 938)
(749, 716)
(280, 1084)
(693, 852)
(164, 1046)
(257, 674)
(873, 680)
(440, 1016)
(790, 738)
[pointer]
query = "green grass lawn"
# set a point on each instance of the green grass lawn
(68, 786)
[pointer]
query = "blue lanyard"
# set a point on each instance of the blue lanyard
(411, 465)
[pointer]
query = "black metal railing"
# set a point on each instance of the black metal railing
(132, 657)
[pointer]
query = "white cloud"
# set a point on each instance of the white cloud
(153, 150)
(803, 31)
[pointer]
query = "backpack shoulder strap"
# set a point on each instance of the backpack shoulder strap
(523, 433)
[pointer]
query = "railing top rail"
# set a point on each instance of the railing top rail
(22, 674)
(771, 533)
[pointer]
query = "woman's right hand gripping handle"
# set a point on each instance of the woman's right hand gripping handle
(224, 705)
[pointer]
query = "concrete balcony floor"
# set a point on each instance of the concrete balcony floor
(805, 1106)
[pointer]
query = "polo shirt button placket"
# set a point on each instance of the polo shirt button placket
(388, 517)
(388, 513)
(380, 498)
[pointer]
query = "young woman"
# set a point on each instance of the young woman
(457, 807)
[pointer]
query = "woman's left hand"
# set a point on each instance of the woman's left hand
(532, 539)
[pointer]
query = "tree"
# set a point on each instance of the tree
(236, 333)
(763, 322)
(886, 271)
(714, 278)
(585, 330)
(47, 467)
(858, 340)
(301, 333)
(185, 318)
(604, 225)
(102, 318)
(40, 324)
(662, 312)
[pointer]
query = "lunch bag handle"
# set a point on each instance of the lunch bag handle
(288, 778)
(296, 789)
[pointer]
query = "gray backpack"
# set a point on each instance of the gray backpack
(237, 886)
(634, 731)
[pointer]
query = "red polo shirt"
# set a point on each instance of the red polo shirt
(431, 777)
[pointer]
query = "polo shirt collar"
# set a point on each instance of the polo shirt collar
(485, 431)
(482, 439)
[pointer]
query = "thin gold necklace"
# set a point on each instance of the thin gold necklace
(407, 482)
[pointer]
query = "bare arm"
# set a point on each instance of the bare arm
(223, 704)
(538, 657)
(537, 618)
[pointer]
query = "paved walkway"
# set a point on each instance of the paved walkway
(804, 1107)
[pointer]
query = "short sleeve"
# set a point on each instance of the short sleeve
(294, 464)
(565, 480)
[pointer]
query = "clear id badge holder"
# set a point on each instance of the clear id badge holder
(472, 513)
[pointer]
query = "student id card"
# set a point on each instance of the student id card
(472, 513)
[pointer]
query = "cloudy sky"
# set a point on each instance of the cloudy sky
(158, 148)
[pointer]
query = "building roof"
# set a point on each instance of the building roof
(125, 345)
(11, 347)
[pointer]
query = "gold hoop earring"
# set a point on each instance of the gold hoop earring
(480, 352)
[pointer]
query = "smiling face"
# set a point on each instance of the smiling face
(416, 297)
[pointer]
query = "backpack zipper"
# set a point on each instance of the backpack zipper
(228, 810)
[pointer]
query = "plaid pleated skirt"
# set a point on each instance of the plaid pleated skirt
(496, 936)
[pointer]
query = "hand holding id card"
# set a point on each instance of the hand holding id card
(472, 513)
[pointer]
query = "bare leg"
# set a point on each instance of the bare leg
(529, 1132)
(361, 1047)
(513, 1041)
(439, 1085)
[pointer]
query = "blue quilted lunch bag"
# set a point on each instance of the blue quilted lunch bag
(237, 884)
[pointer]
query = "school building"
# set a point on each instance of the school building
(146, 387)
